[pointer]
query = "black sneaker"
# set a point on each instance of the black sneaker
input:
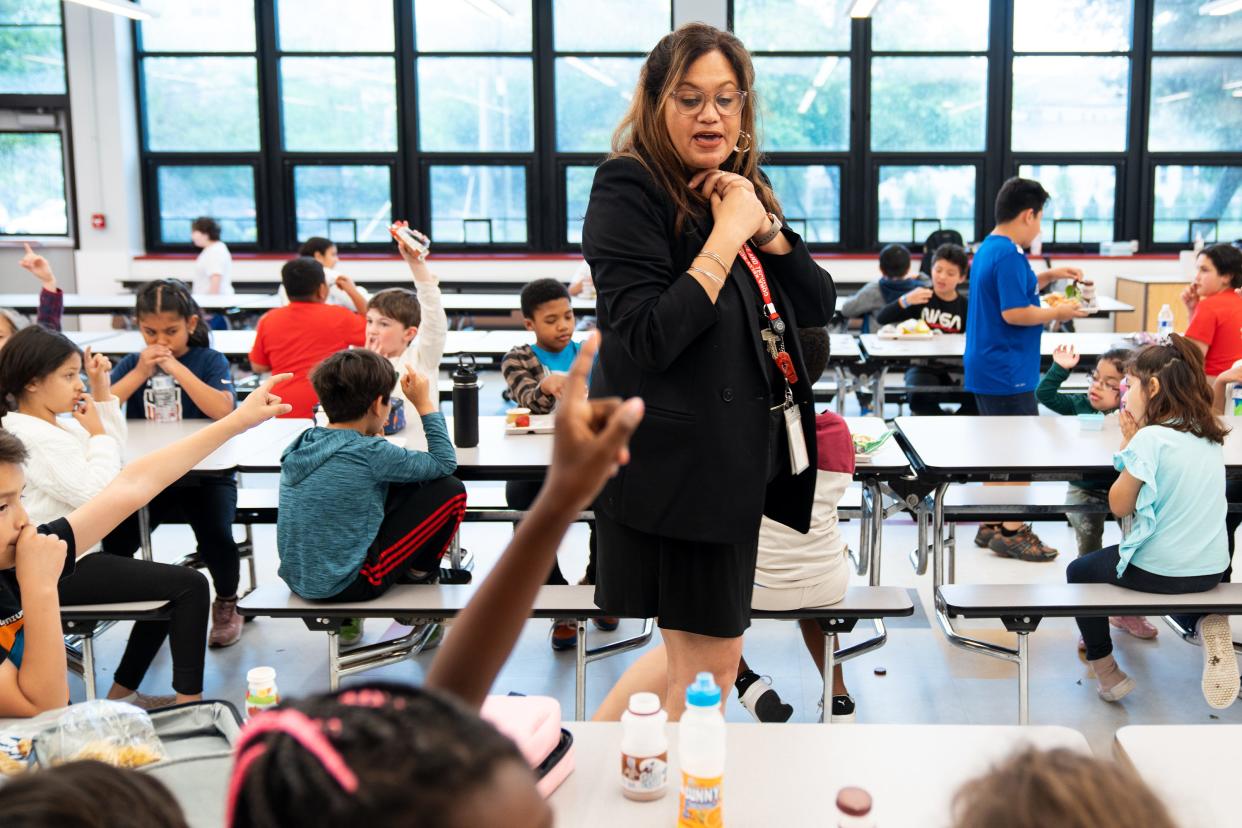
(762, 702)
(843, 709)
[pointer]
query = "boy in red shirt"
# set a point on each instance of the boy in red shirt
(1215, 309)
(299, 336)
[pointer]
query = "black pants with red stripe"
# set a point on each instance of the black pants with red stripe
(419, 521)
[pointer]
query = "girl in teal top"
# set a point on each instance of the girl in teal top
(1172, 481)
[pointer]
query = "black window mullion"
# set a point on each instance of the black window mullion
(274, 196)
(545, 200)
(1136, 192)
(998, 154)
(405, 201)
(859, 217)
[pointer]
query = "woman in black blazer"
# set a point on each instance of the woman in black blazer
(674, 216)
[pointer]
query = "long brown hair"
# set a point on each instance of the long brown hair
(1184, 401)
(1058, 787)
(643, 135)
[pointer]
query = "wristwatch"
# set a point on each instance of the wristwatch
(760, 241)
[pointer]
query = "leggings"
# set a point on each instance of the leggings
(208, 502)
(105, 579)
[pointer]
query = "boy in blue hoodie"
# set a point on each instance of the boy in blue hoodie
(358, 513)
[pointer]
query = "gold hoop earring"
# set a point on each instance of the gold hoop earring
(743, 135)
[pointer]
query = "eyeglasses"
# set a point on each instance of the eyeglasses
(691, 102)
(1097, 380)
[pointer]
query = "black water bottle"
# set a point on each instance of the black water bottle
(465, 403)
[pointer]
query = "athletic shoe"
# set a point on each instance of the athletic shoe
(1118, 691)
(1135, 625)
(607, 623)
(986, 532)
(351, 632)
(1024, 545)
(842, 709)
(146, 702)
(762, 702)
(226, 624)
(564, 634)
(1220, 664)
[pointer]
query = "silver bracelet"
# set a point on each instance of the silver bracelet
(760, 241)
(711, 276)
(710, 255)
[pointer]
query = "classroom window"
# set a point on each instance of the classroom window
(922, 26)
(936, 104)
(225, 193)
(810, 197)
(1083, 201)
(341, 104)
(349, 204)
(914, 201)
(592, 94)
(333, 26)
(32, 52)
(198, 26)
(1196, 104)
(1183, 25)
(478, 204)
(32, 184)
(793, 25)
(472, 104)
(609, 26)
(200, 104)
(1192, 201)
(578, 181)
(806, 102)
(472, 25)
(1070, 103)
(1072, 25)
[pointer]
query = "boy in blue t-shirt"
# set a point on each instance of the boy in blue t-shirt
(1003, 332)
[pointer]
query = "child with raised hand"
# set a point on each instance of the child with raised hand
(51, 299)
(409, 327)
(43, 566)
(386, 756)
(1216, 308)
(1173, 482)
(176, 337)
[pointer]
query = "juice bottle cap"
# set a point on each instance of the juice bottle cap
(261, 675)
(703, 692)
(644, 704)
(853, 802)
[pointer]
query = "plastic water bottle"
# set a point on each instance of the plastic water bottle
(644, 748)
(261, 692)
(1164, 321)
(702, 743)
(162, 398)
(465, 403)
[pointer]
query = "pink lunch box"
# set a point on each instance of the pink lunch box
(534, 724)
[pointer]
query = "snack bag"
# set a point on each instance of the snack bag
(107, 731)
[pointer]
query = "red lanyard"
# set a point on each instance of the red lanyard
(776, 326)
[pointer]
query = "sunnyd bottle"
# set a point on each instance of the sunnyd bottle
(702, 744)
(465, 403)
(261, 692)
(644, 748)
(162, 399)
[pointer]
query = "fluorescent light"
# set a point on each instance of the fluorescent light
(1173, 98)
(131, 10)
(825, 71)
(1230, 85)
(808, 98)
(1219, 8)
(492, 9)
(1237, 93)
(590, 71)
(864, 8)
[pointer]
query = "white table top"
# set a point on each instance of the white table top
(1192, 768)
(789, 774)
(124, 302)
(953, 346)
(1056, 446)
(238, 343)
(258, 449)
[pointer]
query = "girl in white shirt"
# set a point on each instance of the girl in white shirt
(211, 268)
(71, 460)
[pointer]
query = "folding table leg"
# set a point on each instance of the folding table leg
(88, 667)
(830, 660)
(144, 533)
(334, 661)
(455, 550)
(1024, 677)
(580, 673)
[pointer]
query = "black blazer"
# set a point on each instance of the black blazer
(699, 461)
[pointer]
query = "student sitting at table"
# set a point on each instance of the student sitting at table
(1003, 333)
(1062, 788)
(392, 511)
(1173, 482)
(408, 327)
(792, 571)
(295, 338)
(943, 309)
(386, 755)
(535, 376)
(1216, 308)
(341, 289)
(175, 334)
(73, 468)
(895, 281)
(51, 299)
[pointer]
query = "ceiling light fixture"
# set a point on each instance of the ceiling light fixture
(133, 11)
(863, 8)
(1219, 8)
